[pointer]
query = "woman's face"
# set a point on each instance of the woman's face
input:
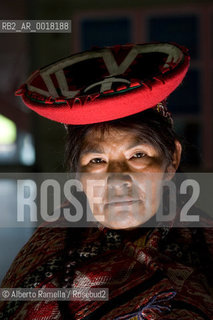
(121, 176)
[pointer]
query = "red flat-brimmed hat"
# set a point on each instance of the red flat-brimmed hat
(106, 83)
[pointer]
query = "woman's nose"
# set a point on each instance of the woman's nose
(117, 166)
(119, 180)
(118, 177)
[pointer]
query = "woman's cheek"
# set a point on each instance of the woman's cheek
(148, 164)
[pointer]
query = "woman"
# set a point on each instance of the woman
(121, 137)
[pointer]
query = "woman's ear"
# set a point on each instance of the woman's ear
(172, 167)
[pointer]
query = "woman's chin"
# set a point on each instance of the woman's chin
(122, 220)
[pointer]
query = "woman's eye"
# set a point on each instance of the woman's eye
(138, 155)
(97, 161)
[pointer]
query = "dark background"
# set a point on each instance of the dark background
(37, 144)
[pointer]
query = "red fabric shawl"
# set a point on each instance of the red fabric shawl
(151, 274)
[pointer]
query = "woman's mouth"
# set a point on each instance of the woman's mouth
(123, 202)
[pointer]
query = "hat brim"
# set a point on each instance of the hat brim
(136, 78)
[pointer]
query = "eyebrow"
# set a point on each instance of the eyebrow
(96, 148)
(93, 149)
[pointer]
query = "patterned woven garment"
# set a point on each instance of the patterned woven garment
(151, 273)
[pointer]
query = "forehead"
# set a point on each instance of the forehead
(97, 138)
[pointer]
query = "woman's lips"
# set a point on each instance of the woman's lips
(123, 202)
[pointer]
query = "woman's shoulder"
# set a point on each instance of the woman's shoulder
(46, 242)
